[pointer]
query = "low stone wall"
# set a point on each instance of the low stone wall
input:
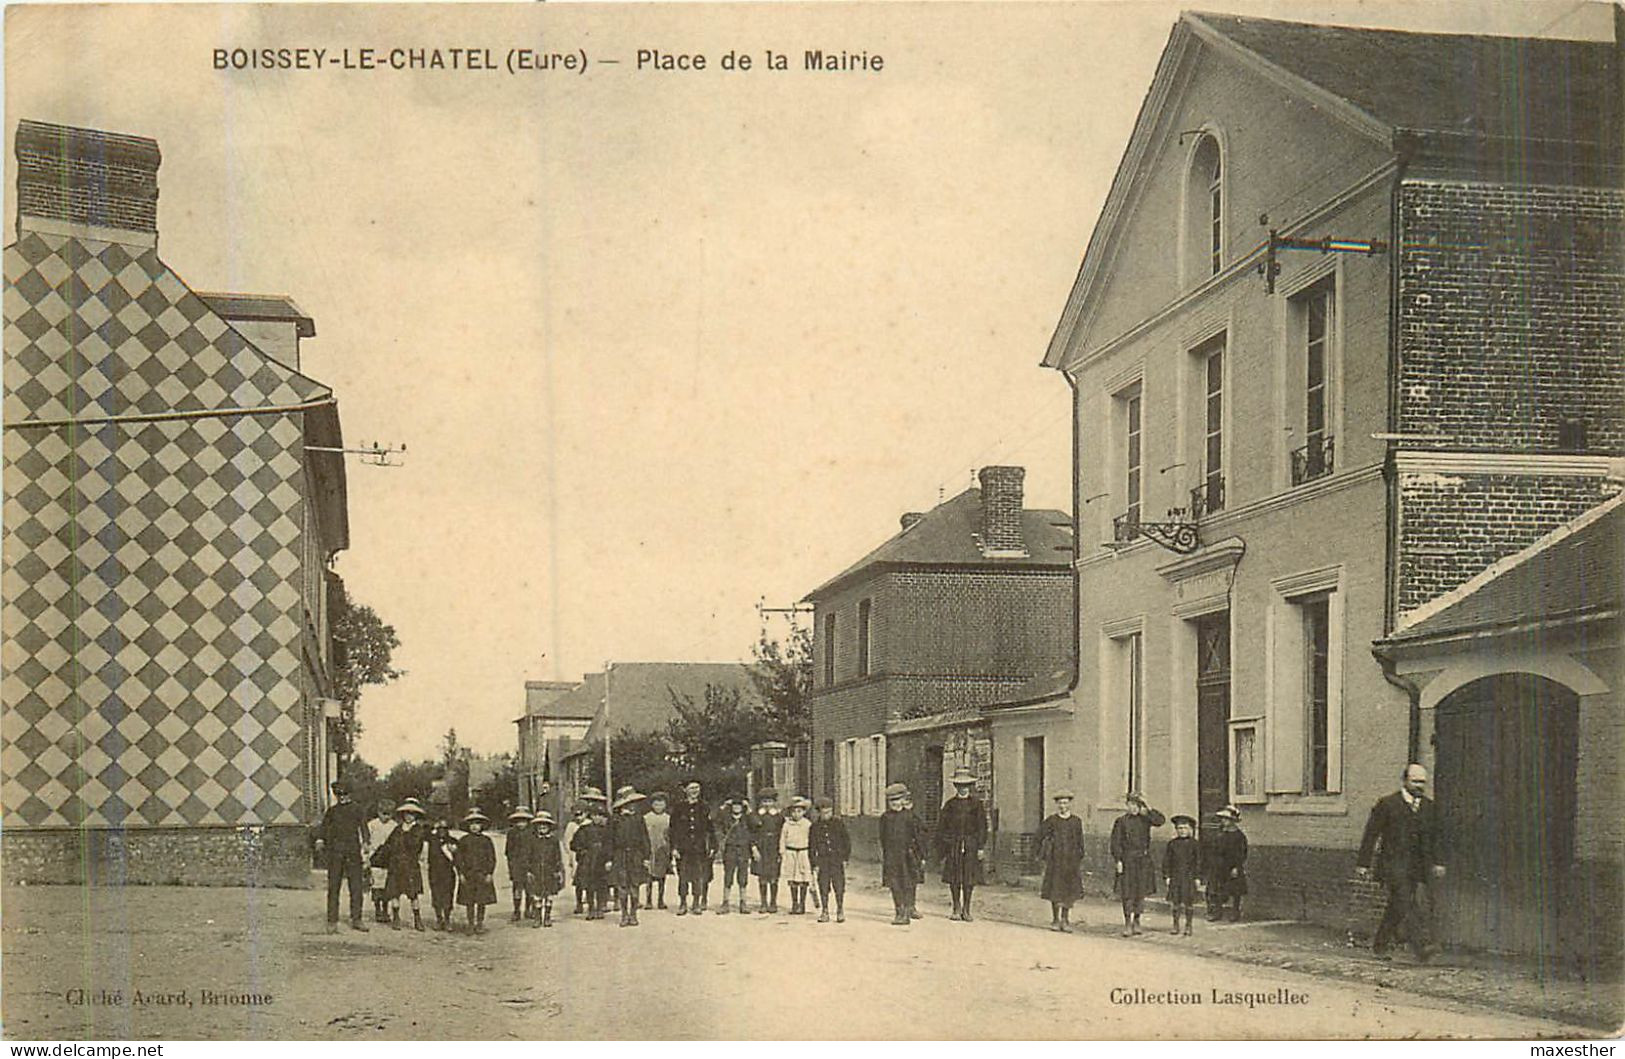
(179, 856)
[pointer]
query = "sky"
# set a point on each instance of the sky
(661, 345)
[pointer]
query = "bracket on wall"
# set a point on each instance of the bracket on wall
(1270, 267)
(1177, 532)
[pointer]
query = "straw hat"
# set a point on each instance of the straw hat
(521, 812)
(543, 817)
(410, 805)
(1229, 812)
(798, 802)
(962, 776)
(1064, 792)
(593, 794)
(626, 796)
(475, 816)
(896, 790)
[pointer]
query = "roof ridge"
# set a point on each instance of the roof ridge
(1568, 529)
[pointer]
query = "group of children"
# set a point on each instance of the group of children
(624, 849)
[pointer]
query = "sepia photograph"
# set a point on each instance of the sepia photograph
(877, 521)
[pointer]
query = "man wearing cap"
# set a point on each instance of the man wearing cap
(1060, 850)
(516, 851)
(629, 853)
(901, 853)
(694, 842)
(1131, 856)
(342, 841)
(961, 835)
(1403, 834)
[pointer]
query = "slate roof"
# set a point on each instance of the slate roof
(1504, 87)
(949, 535)
(1575, 571)
(640, 694)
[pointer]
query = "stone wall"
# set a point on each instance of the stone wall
(173, 856)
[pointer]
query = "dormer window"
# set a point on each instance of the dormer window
(1204, 210)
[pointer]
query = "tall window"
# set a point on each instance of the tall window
(1133, 457)
(829, 649)
(1215, 201)
(1314, 308)
(1317, 689)
(1210, 493)
(1133, 707)
(830, 781)
(863, 637)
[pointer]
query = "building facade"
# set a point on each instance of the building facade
(168, 535)
(965, 606)
(554, 722)
(1290, 450)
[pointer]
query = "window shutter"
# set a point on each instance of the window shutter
(1285, 729)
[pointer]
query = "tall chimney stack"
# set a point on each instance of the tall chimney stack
(71, 179)
(1001, 512)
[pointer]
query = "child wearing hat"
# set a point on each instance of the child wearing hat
(657, 821)
(629, 853)
(1060, 850)
(1227, 878)
(1131, 854)
(961, 834)
(546, 876)
(768, 860)
(516, 851)
(476, 859)
(403, 863)
(902, 853)
(736, 836)
(830, 847)
(1181, 862)
(593, 850)
(442, 873)
(795, 843)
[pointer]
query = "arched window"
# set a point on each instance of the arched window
(1204, 211)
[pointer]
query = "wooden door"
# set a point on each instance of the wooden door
(1212, 713)
(1507, 749)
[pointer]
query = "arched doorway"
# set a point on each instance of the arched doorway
(1507, 748)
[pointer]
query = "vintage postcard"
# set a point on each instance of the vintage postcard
(886, 521)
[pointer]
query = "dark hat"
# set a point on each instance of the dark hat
(766, 793)
(1134, 796)
(896, 790)
(1181, 818)
(1064, 792)
(823, 801)
(340, 786)
(656, 795)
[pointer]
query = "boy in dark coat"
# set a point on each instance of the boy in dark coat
(902, 853)
(442, 873)
(961, 834)
(693, 841)
(1131, 854)
(476, 860)
(831, 849)
(1227, 875)
(737, 837)
(593, 849)
(769, 828)
(629, 853)
(546, 867)
(1181, 864)
(516, 851)
(1060, 850)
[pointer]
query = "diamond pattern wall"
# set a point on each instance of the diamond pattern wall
(150, 612)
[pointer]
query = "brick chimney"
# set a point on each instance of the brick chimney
(910, 519)
(70, 180)
(1001, 512)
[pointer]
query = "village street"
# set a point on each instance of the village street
(669, 978)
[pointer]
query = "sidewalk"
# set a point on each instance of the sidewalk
(1499, 983)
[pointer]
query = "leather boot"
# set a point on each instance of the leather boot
(417, 920)
(547, 914)
(394, 919)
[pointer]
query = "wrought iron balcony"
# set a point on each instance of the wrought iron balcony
(1126, 527)
(1313, 461)
(1208, 498)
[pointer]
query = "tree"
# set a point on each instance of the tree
(783, 675)
(454, 762)
(363, 647)
(713, 739)
(643, 759)
(497, 796)
(362, 776)
(412, 779)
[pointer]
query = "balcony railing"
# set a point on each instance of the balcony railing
(1208, 498)
(1313, 461)
(1126, 527)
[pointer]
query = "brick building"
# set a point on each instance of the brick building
(966, 605)
(1337, 439)
(168, 538)
(554, 722)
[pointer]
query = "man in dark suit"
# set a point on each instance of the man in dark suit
(1403, 833)
(342, 839)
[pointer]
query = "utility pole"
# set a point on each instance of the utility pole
(609, 772)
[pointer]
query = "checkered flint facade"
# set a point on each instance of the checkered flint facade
(161, 524)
